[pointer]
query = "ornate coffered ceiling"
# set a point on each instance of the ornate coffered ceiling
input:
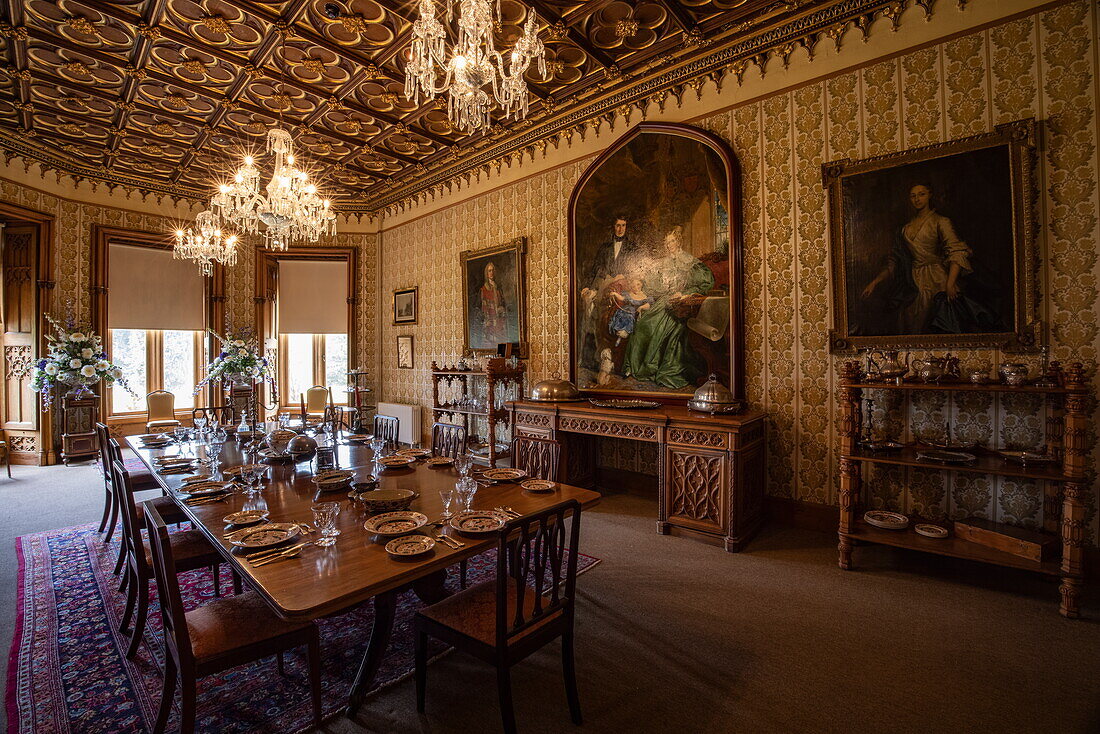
(156, 94)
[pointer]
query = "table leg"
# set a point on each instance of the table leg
(431, 588)
(385, 605)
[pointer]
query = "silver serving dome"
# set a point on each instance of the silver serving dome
(302, 448)
(714, 397)
(555, 390)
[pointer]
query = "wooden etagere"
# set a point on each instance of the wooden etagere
(1065, 489)
(481, 384)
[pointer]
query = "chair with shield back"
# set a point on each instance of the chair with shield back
(161, 406)
(387, 427)
(536, 456)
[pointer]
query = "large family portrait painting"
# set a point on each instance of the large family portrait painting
(650, 263)
(931, 247)
(493, 291)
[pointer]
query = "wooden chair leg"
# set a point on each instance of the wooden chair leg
(504, 691)
(167, 693)
(569, 670)
(215, 571)
(131, 599)
(187, 704)
(237, 584)
(314, 658)
(7, 459)
(112, 522)
(279, 663)
(141, 588)
(421, 668)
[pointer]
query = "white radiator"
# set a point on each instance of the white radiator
(408, 415)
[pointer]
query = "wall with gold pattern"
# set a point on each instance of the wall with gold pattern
(1040, 64)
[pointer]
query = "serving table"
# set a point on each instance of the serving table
(324, 581)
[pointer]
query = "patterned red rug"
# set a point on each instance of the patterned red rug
(66, 671)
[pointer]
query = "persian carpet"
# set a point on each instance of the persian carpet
(67, 671)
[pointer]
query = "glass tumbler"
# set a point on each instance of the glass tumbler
(324, 517)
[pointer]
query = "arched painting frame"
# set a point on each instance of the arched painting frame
(654, 311)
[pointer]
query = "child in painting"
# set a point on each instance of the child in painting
(628, 305)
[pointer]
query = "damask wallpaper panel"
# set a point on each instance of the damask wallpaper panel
(1039, 65)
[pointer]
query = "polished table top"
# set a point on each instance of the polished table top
(321, 581)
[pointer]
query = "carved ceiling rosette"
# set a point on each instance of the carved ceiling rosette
(619, 25)
(216, 23)
(565, 64)
(350, 123)
(312, 64)
(81, 105)
(175, 100)
(73, 66)
(384, 96)
(280, 99)
(360, 23)
(79, 24)
(190, 65)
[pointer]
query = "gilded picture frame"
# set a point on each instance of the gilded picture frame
(494, 297)
(935, 247)
(405, 305)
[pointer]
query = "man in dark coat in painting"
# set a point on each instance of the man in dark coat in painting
(614, 257)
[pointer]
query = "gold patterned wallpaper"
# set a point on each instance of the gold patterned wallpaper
(1039, 65)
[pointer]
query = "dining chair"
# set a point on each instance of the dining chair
(536, 456)
(6, 447)
(387, 427)
(190, 548)
(225, 415)
(448, 439)
(161, 406)
(222, 634)
(314, 402)
(529, 604)
(110, 451)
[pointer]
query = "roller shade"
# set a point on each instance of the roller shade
(148, 289)
(313, 297)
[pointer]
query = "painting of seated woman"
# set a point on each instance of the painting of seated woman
(651, 262)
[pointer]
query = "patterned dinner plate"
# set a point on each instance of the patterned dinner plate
(503, 474)
(396, 462)
(196, 478)
(270, 533)
(929, 530)
(200, 489)
(886, 520)
(170, 460)
(416, 453)
(410, 545)
(395, 523)
(358, 439)
(478, 522)
(440, 461)
(538, 485)
(245, 517)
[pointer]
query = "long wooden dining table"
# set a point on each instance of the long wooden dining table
(322, 581)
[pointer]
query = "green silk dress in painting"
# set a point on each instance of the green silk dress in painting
(658, 351)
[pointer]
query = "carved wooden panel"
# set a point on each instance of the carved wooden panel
(608, 428)
(693, 437)
(19, 275)
(695, 487)
(533, 419)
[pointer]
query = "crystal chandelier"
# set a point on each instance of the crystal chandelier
(206, 243)
(291, 212)
(474, 63)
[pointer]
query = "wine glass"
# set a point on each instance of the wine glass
(200, 422)
(466, 489)
(463, 462)
(447, 496)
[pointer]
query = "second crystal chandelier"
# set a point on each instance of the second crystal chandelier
(474, 63)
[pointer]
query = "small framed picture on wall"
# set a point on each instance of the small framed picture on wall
(405, 352)
(404, 306)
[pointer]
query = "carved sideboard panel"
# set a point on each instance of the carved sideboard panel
(695, 488)
(692, 437)
(640, 432)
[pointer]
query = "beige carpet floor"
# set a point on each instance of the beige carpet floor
(678, 636)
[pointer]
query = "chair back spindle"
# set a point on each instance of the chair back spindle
(448, 439)
(124, 496)
(387, 427)
(536, 456)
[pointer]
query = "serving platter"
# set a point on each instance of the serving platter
(478, 522)
(929, 530)
(391, 524)
(1027, 457)
(410, 545)
(266, 535)
(886, 520)
(946, 457)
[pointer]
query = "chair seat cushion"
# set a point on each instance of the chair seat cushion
(473, 611)
(190, 550)
(234, 622)
(167, 508)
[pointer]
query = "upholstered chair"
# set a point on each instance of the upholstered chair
(161, 405)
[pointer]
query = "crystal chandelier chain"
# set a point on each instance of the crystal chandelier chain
(474, 64)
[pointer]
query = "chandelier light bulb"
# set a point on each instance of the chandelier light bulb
(290, 159)
(248, 160)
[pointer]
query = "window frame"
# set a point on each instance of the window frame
(154, 370)
(319, 377)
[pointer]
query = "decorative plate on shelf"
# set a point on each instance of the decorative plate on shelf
(262, 536)
(395, 523)
(886, 520)
(245, 517)
(946, 457)
(396, 462)
(410, 545)
(438, 461)
(415, 453)
(538, 485)
(503, 474)
(1027, 457)
(478, 521)
(626, 404)
(929, 530)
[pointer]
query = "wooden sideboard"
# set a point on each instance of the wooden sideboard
(711, 468)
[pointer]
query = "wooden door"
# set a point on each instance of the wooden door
(20, 248)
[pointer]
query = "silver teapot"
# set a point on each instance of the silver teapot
(930, 369)
(893, 366)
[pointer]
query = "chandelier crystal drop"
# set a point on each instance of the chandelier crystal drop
(206, 243)
(476, 74)
(288, 211)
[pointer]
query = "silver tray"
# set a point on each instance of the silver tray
(626, 404)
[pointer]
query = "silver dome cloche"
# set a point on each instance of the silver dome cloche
(555, 390)
(714, 397)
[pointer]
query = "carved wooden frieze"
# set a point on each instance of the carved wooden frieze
(533, 419)
(693, 437)
(608, 428)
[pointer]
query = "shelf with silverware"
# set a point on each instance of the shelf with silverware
(478, 395)
(1060, 466)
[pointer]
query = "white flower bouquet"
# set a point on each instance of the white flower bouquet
(77, 359)
(240, 360)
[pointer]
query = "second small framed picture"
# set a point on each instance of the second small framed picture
(405, 352)
(404, 306)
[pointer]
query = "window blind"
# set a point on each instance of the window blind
(148, 289)
(313, 296)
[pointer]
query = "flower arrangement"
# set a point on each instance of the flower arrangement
(77, 359)
(240, 360)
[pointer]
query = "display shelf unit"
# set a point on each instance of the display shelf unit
(1065, 490)
(483, 385)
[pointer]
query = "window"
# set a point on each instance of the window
(313, 359)
(156, 360)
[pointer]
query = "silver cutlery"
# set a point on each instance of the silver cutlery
(264, 554)
(289, 553)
